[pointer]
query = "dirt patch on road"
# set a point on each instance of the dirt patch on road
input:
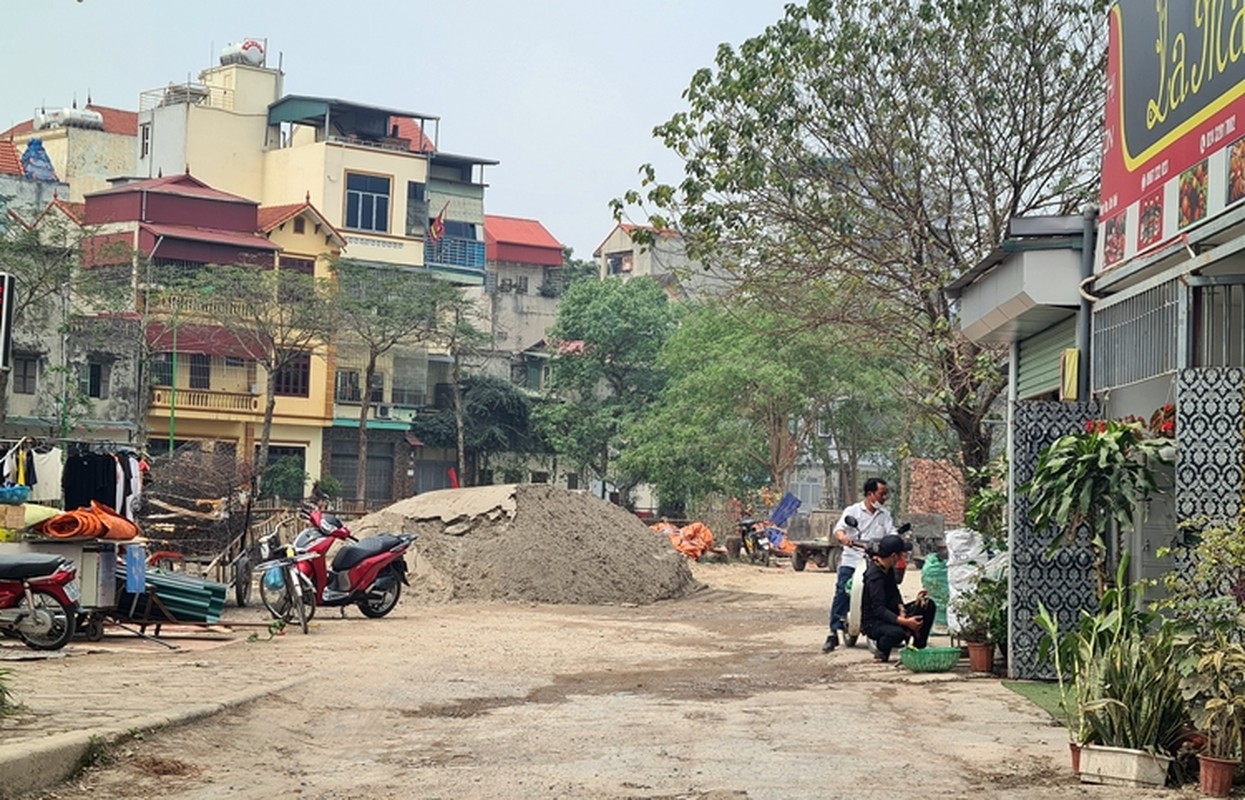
(532, 543)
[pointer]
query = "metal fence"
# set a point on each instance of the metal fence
(1136, 338)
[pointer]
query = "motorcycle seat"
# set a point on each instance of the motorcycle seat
(32, 565)
(349, 556)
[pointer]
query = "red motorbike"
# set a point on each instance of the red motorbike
(368, 573)
(38, 599)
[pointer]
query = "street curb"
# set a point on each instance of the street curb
(42, 764)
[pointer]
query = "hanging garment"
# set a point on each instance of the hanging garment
(48, 467)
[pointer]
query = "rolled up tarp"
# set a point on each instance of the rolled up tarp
(97, 522)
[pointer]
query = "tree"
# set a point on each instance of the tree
(380, 308)
(43, 259)
(496, 419)
(459, 331)
(606, 339)
(850, 161)
(278, 318)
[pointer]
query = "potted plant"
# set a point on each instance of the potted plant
(1216, 686)
(982, 612)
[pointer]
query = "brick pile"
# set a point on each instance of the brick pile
(935, 486)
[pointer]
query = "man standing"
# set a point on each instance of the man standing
(873, 522)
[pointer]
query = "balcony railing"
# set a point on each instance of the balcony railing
(455, 252)
(205, 400)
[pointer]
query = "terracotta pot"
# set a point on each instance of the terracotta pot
(1075, 749)
(1214, 775)
(981, 656)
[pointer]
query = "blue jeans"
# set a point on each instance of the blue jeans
(842, 600)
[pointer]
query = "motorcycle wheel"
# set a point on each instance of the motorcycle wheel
(851, 640)
(242, 577)
(54, 618)
(379, 603)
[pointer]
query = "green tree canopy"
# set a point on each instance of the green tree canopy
(851, 160)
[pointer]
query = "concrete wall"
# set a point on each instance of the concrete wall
(27, 198)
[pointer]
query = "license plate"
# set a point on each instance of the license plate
(73, 591)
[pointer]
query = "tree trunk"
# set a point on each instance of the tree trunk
(270, 405)
(365, 405)
(460, 423)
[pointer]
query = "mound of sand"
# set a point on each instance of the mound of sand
(532, 543)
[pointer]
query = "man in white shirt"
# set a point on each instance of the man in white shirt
(873, 522)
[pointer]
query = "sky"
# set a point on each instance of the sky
(564, 93)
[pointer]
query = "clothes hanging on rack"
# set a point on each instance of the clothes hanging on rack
(19, 464)
(48, 467)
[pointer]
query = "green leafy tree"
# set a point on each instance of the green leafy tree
(379, 308)
(846, 164)
(496, 419)
(278, 318)
(606, 339)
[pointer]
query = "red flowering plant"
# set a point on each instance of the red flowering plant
(1097, 480)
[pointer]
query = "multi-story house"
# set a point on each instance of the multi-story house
(195, 380)
(85, 146)
(522, 288)
(663, 258)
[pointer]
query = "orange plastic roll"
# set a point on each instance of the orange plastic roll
(81, 523)
(115, 526)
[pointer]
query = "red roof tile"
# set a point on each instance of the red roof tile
(116, 120)
(515, 230)
(185, 185)
(10, 161)
(272, 216)
(211, 235)
(410, 129)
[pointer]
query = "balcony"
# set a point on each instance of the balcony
(206, 400)
(453, 251)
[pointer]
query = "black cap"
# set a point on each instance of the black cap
(892, 544)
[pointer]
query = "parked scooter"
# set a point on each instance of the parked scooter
(754, 541)
(39, 597)
(368, 573)
(858, 580)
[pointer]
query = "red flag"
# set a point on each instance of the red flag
(436, 231)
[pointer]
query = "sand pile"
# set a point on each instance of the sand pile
(531, 543)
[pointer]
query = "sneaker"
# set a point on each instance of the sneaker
(832, 641)
(873, 647)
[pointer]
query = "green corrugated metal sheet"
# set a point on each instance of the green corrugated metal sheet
(1038, 369)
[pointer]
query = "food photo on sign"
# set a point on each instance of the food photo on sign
(1193, 194)
(1113, 240)
(1236, 171)
(1150, 227)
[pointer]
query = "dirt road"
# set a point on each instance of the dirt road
(721, 695)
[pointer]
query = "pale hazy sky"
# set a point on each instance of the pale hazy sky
(564, 93)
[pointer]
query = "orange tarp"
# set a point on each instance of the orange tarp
(97, 522)
(692, 540)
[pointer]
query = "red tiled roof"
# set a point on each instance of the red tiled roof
(515, 230)
(272, 216)
(211, 235)
(211, 340)
(10, 161)
(628, 228)
(75, 211)
(116, 120)
(185, 185)
(410, 129)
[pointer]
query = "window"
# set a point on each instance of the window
(200, 371)
(302, 266)
(25, 368)
(300, 225)
(93, 379)
(416, 209)
(460, 230)
(377, 395)
(348, 386)
(367, 202)
(618, 263)
(162, 369)
(410, 381)
(520, 284)
(145, 137)
(294, 379)
(233, 362)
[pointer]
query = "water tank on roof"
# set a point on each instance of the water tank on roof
(67, 117)
(248, 51)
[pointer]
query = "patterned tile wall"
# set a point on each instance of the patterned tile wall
(1063, 582)
(1209, 444)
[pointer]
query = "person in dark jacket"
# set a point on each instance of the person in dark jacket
(884, 617)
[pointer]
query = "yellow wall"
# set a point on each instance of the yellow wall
(224, 149)
(84, 158)
(290, 173)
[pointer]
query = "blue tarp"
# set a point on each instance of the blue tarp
(786, 507)
(36, 163)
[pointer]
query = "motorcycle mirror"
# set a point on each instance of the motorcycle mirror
(849, 521)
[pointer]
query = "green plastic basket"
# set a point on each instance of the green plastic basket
(930, 659)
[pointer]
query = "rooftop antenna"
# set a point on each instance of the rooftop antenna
(88, 97)
(75, 100)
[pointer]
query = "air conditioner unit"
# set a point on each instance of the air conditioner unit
(505, 285)
(254, 388)
(384, 411)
